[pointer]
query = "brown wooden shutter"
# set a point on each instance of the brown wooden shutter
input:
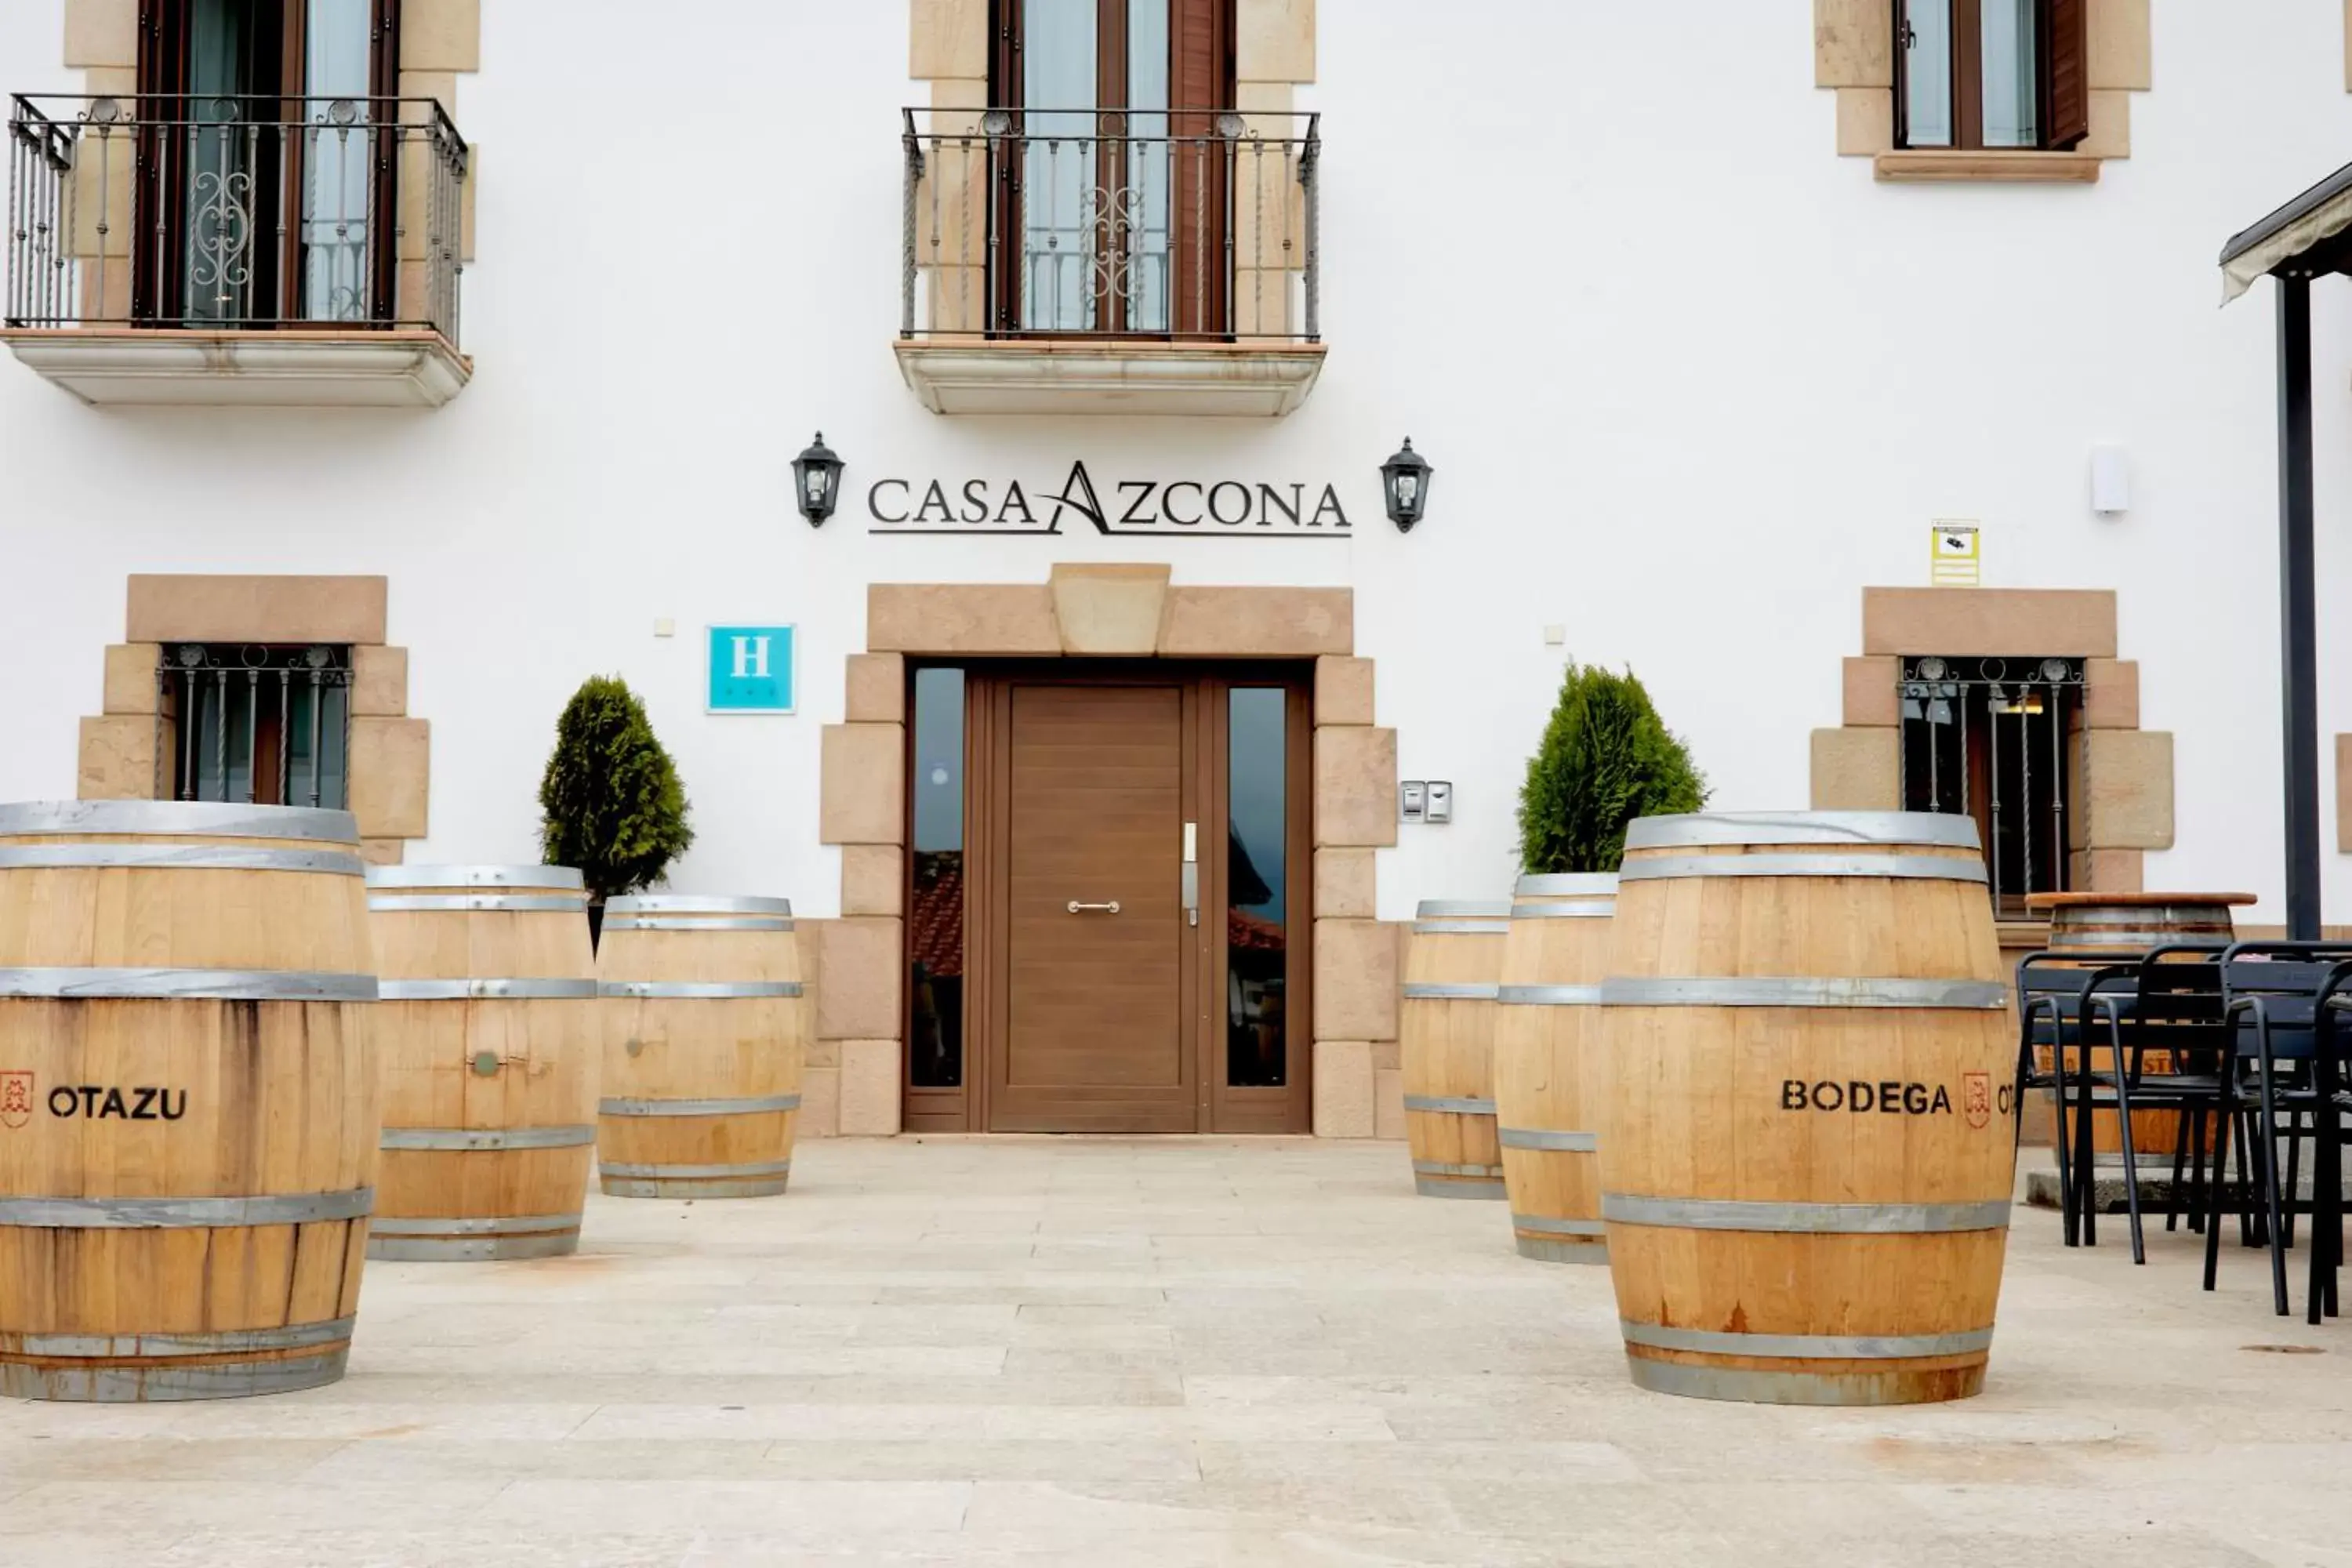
(150, 65)
(384, 65)
(155, 213)
(1199, 84)
(391, 166)
(1200, 76)
(2070, 72)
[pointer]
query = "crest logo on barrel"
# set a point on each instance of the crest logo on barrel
(1976, 1099)
(16, 1100)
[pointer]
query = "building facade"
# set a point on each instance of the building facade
(1852, 372)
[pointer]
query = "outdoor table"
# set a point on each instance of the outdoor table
(2130, 925)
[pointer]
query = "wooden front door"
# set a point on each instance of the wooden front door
(1097, 959)
(1133, 870)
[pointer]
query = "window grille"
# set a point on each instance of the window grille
(1993, 739)
(266, 724)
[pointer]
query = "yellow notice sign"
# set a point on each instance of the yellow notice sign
(1956, 556)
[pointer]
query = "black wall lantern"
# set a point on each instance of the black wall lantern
(1405, 479)
(816, 482)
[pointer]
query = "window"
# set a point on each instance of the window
(1116, 169)
(1991, 739)
(1974, 74)
(269, 725)
(267, 155)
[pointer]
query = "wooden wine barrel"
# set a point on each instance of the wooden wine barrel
(1549, 1081)
(1446, 1030)
(1807, 1158)
(2129, 925)
(2121, 928)
(488, 1031)
(188, 1099)
(704, 1031)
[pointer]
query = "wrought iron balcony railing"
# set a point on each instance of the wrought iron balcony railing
(1181, 224)
(234, 213)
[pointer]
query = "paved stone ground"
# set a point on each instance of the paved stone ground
(1194, 1352)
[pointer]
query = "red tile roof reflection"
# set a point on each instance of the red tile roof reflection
(1251, 935)
(935, 930)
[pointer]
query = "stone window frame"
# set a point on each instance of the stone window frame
(2123, 774)
(1853, 55)
(852, 1085)
(389, 768)
(440, 40)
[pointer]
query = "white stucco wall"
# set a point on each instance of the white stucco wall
(1688, 379)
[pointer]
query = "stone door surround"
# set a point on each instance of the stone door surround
(2123, 783)
(853, 1084)
(389, 765)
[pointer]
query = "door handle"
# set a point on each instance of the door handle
(1191, 874)
(1109, 909)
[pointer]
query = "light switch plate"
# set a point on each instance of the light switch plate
(665, 627)
(1441, 800)
(1412, 799)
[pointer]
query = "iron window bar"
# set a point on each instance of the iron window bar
(1951, 715)
(203, 688)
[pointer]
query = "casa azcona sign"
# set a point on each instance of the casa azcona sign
(1205, 508)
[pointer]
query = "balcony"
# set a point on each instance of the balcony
(263, 252)
(1095, 262)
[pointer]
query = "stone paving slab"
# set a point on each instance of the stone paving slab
(1181, 1352)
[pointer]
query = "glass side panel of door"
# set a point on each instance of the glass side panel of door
(935, 948)
(1256, 894)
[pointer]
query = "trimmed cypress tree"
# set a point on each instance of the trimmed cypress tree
(611, 804)
(1606, 759)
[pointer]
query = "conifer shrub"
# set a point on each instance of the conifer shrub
(1606, 758)
(610, 801)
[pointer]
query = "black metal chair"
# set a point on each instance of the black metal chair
(2053, 990)
(2174, 1010)
(2280, 1004)
(2172, 1005)
(2315, 1087)
(2332, 1130)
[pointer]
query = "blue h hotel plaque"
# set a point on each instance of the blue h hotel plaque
(751, 669)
